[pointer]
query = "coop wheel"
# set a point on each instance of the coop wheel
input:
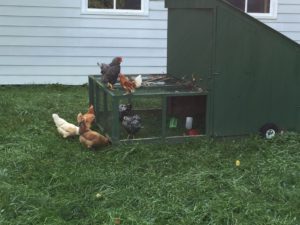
(269, 130)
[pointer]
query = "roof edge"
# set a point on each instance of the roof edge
(214, 4)
(190, 3)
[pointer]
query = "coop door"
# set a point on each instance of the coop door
(188, 113)
(190, 41)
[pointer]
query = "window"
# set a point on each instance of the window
(119, 7)
(257, 8)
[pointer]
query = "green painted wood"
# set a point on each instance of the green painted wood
(257, 76)
(115, 120)
(91, 91)
(96, 101)
(164, 117)
(190, 44)
(254, 70)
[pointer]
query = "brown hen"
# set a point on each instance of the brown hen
(128, 85)
(89, 138)
(89, 117)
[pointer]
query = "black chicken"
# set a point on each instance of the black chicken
(103, 67)
(110, 72)
(124, 110)
(132, 124)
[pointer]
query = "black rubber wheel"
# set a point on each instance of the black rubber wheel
(269, 130)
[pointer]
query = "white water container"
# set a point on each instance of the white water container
(189, 123)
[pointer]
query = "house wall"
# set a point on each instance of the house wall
(44, 41)
(288, 19)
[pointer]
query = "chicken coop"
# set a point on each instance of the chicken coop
(227, 74)
(163, 104)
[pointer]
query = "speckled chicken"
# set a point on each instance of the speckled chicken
(89, 138)
(132, 124)
(124, 110)
(110, 72)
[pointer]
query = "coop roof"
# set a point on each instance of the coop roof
(188, 4)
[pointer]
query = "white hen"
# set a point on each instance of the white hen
(138, 81)
(65, 128)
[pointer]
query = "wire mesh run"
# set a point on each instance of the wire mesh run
(162, 108)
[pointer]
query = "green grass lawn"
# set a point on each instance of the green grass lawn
(45, 179)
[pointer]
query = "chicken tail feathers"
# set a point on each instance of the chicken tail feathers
(57, 120)
(138, 81)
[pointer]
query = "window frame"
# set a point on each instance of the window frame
(271, 15)
(144, 11)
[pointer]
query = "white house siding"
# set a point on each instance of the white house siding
(288, 19)
(50, 41)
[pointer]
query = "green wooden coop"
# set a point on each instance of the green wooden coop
(229, 72)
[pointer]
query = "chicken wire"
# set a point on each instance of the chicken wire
(162, 105)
